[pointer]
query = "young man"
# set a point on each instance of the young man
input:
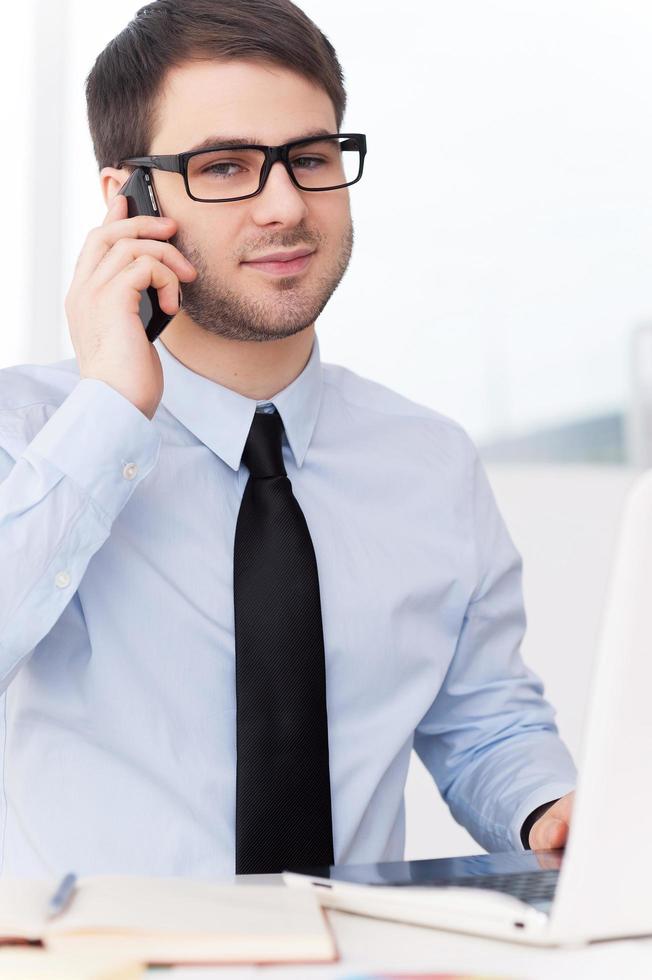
(239, 585)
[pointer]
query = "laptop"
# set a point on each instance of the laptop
(598, 886)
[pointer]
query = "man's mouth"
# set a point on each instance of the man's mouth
(282, 263)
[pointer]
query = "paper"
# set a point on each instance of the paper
(40, 964)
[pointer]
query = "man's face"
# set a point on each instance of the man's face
(272, 106)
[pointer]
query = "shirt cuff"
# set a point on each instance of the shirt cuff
(100, 440)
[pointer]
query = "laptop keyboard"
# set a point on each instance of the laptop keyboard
(530, 886)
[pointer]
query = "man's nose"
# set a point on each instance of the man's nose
(280, 198)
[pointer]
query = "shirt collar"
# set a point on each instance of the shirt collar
(221, 418)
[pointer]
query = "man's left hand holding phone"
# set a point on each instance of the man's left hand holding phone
(126, 255)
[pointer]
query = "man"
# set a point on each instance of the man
(239, 585)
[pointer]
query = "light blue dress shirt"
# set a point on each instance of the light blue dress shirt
(117, 717)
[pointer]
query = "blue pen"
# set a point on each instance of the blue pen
(63, 895)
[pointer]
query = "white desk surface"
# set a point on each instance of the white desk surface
(372, 945)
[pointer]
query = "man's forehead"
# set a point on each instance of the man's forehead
(239, 100)
(235, 86)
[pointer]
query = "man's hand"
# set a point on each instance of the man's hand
(551, 830)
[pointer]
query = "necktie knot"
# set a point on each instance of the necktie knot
(263, 453)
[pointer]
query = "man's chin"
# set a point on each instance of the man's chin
(255, 329)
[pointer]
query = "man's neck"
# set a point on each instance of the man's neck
(252, 368)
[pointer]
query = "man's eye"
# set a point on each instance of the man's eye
(215, 168)
(304, 161)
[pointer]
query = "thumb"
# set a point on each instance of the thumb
(554, 832)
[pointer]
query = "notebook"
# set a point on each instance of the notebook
(36, 963)
(161, 920)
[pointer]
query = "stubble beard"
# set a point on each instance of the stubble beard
(293, 302)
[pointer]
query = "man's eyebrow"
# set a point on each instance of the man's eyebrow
(249, 140)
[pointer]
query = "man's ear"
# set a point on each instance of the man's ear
(111, 180)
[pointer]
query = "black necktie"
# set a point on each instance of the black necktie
(283, 801)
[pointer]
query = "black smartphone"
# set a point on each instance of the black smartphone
(141, 199)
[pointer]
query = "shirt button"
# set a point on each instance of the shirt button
(62, 580)
(130, 471)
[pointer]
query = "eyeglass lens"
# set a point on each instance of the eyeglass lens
(219, 175)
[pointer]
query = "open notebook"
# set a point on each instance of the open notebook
(171, 920)
(36, 963)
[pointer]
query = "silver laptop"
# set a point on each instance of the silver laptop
(598, 886)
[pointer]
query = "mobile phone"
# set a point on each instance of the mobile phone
(141, 199)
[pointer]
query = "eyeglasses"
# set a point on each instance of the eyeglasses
(233, 173)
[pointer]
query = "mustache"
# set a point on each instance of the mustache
(197, 257)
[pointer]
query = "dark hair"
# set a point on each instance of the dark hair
(123, 88)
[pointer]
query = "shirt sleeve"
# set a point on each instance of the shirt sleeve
(59, 496)
(489, 739)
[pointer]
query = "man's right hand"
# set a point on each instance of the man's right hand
(118, 260)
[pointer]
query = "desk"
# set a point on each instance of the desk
(366, 944)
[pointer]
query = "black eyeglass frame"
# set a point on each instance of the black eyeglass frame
(178, 163)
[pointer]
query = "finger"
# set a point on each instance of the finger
(127, 249)
(563, 808)
(100, 240)
(116, 208)
(549, 833)
(147, 271)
